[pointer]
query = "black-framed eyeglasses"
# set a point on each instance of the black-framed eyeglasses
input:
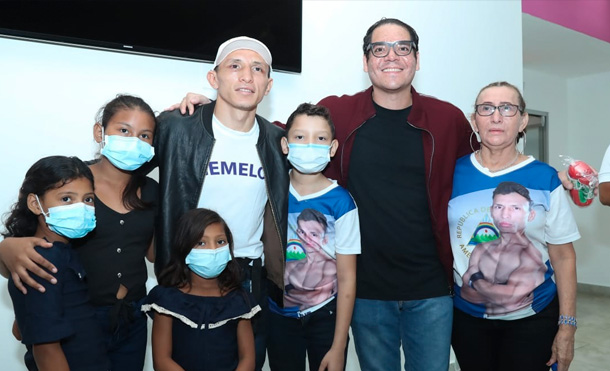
(506, 110)
(381, 49)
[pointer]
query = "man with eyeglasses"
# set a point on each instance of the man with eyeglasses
(397, 154)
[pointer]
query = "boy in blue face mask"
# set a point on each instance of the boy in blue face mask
(58, 327)
(323, 241)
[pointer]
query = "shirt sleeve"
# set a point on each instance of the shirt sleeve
(347, 233)
(560, 223)
(44, 319)
(604, 170)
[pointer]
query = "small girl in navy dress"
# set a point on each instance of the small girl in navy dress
(58, 327)
(202, 315)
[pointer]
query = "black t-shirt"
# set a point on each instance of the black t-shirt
(387, 179)
(113, 253)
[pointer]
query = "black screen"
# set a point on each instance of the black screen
(182, 29)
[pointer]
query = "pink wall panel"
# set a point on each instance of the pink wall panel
(591, 17)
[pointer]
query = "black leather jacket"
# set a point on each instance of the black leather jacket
(183, 146)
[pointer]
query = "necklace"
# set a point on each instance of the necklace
(480, 158)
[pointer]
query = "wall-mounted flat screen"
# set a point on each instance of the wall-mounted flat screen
(178, 29)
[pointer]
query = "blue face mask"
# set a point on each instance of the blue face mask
(126, 153)
(70, 221)
(308, 158)
(208, 263)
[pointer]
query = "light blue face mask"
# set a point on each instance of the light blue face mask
(70, 221)
(126, 153)
(208, 263)
(308, 158)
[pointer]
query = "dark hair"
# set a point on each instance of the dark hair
(505, 188)
(138, 178)
(314, 215)
(311, 110)
(383, 21)
(46, 174)
(521, 103)
(188, 233)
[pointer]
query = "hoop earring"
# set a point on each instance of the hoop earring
(470, 141)
(476, 137)
(521, 142)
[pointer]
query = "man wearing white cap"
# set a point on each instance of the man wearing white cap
(396, 157)
(226, 158)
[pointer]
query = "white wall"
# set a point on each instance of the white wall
(579, 128)
(589, 136)
(49, 94)
(543, 92)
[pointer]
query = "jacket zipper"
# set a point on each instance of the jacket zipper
(430, 172)
(273, 212)
(450, 287)
(343, 147)
(208, 156)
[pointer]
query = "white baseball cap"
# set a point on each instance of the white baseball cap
(242, 42)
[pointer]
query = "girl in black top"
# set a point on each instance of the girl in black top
(113, 254)
(58, 327)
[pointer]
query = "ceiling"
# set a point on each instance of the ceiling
(560, 51)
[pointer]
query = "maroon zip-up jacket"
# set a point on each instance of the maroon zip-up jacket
(446, 136)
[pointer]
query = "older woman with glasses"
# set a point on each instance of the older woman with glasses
(511, 232)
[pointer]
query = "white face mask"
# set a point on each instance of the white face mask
(308, 158)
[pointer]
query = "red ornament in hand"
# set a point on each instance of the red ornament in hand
(584, 180)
